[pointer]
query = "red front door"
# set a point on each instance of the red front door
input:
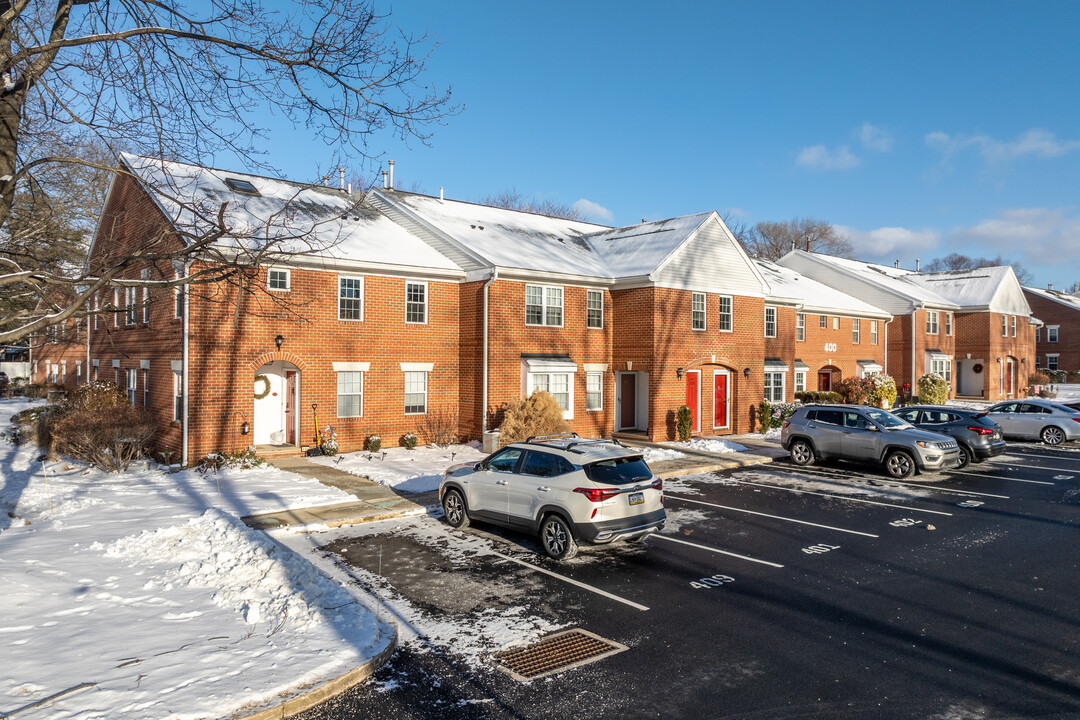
(1008, 376)
(627, 401)
(720, 393)
(290, 407)
(824, 381)
(693, 395)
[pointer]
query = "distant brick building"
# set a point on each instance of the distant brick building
(1057, 344)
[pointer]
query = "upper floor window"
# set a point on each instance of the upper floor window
(770, 321)
(543, 305)
(836, 322)
(416, 302)
(1052, 333)
(145, 275)
(698, 301)
(277, 279)
(823, 322)
(1014, 326)
(1038, 334)
(948, 323)
(1004, 326)
(350, 297)
(855, 331)
(116, 307)
(594, 308)
(873, 332)
(931, 322)
(800, 326)
(725, 318)
(131, 309)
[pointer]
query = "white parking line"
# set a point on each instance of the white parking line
(1000, 477)
(844, 497)
(1020, 463)
(774, 517)
(953, 491)
(578, 583)
(715, 550)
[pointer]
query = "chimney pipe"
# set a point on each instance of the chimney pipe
(896, 264)
(384, 180)
(341, 177)
(440, 194)
(916, 264)
(391, 174)
(1049, 286)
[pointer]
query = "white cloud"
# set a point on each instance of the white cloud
(592, 211)
(1035, 143)
(818, 157)
(886, 244)
(1035, 236)
(876, 138)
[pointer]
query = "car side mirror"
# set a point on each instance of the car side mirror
(478, 466)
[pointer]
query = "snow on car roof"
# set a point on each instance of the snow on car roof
(297, 217)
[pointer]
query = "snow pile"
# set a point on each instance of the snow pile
(414, 471)
(712, 445)
(653, 455)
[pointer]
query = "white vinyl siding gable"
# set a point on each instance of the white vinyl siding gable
(709, 256)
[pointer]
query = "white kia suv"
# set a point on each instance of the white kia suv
(563, 488)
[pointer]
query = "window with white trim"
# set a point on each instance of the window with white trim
(836, 322)
(416, 301)
(1004, 326)
(873, 332)
(132, 384)
(1052, 333)
(594, 309)
(178, 395)
(146, 387)
(544, 305)
(770, 321)
(942, 368)
(774, 387)
(855, 331)
(558, 384)
(800, 327)
(131, 309)
(145, 275)
(1038, 362)
(931, 322)
(1014, 326)
(1051, 361)
(350, 297)
(698, 310)
(415, 392)
(116, 307)
(725, 320)
(948, 323)
(594, 391)
(1038, 334)
(800, 381)
(277, 279)
(97, 307)
(350, 393)
(823, 322)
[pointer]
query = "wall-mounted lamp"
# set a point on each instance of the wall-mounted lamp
(278, 341)
(1023, 361)
(999, 361)
(679, 372)
(245, 427)
(746, 373)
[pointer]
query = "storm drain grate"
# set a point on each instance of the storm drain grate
(555, 653)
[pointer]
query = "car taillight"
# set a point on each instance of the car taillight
(597, 494)
(784, 424)
(981, 430)
(1076, 419)
(658, 484)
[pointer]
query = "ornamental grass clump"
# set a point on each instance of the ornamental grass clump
(538, 414)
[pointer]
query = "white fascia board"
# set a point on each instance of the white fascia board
(550, 278)
(372, 268)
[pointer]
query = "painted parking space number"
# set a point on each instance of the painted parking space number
(969, 503)
(905, 522)
(819, 549)
(712, 582)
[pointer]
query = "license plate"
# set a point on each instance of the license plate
(637, 498)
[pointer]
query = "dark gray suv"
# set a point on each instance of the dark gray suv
(865, 434)
(977, 434)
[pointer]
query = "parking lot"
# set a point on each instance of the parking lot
(774, 592)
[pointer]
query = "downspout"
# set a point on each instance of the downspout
(483, 409)
(184, 369)
(914, 315)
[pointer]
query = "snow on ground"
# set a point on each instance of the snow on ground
(653, 455)
(713, 445)
(146, 586)
(417, 470)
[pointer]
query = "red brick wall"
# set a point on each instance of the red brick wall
(1068, 321)
(979, 336)
(816, 350)
(68, 353)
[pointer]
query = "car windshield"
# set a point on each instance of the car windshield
(618, 471)
(887, 419)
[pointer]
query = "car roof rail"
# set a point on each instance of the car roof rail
(593, 441)
(541, 438)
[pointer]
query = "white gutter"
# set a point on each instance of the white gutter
(184, 369)
(483, 408)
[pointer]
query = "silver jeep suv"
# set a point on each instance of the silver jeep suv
(865, 434)
(563, 488)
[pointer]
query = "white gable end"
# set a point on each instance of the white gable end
(711, 260)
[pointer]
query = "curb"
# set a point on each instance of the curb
(330, 689)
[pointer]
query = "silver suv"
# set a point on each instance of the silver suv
(864, 434)
(563, 488)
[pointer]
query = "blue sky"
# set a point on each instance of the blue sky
(918, 128)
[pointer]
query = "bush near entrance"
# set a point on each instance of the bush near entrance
(933, 390)
(539, 414)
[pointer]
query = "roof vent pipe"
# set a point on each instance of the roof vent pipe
(916, 264)
(391, 174)
(896, 264)
(440, 194)
(341, 177)
(1049, 286)
(384, 179)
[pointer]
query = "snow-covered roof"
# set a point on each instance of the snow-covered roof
(889, 279)
(295, 217)
(994, 288)
(1058, 296)
(640, 249)
(789, 285)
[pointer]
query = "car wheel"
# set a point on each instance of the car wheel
(899, 464)
(556, 538)
(965, 457)
(1052, 435)
(453, 506)
(802, 453)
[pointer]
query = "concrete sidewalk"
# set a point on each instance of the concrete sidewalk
(379, 502)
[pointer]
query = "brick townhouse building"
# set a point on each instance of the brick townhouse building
(404, 309)
(1057, 344)
(58, 355)
(816, 335)
(972, 327)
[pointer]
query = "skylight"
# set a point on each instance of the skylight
(242, 186)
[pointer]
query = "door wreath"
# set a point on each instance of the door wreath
(977, 368)
(259, 395)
